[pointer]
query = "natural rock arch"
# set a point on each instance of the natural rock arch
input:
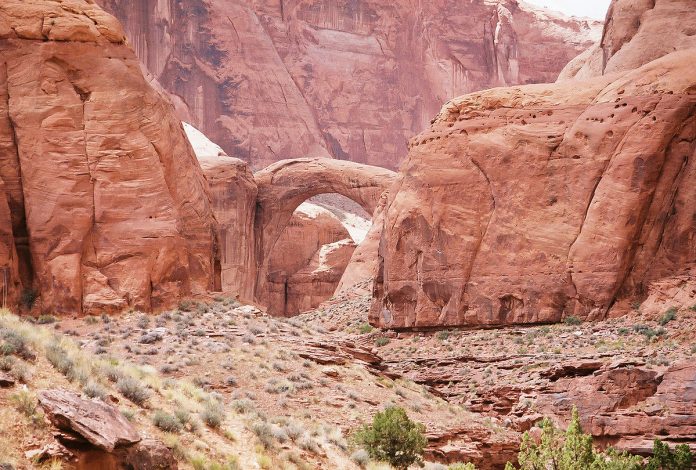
(283, 186)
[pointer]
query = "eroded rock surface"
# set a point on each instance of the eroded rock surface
(307, 261)
(350, 80)
(530, 204)
(111, 208)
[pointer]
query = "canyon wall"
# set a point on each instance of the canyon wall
(269, 79)
(531, 204)
(108, 208)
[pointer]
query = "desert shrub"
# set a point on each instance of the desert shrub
(294, 430)
(133, 389)
(94, 390)
(143, 321)
(365, 328)
(669, 315)
(393, 437)
(25, 402)
(443, 335)
(45, 319)
(21, 372)
(28, 298)
(58, 357)
(242, 405)
(649, 332)
(14, 343)
(569, 450)
(572, 320)
(264, 433)
(382, 341)
(167, 422)
(462, 466)
(185, 305)
(7, 363)
(360, 458)
(213, 413)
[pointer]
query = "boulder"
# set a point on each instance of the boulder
(102, 425)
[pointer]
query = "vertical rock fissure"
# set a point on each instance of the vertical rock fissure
(20, 229)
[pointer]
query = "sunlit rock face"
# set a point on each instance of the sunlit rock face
(529, 204)
(270, 80)
(108, 208)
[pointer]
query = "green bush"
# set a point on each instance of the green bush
(669, 315)
(365, 328)
(393, 437)
(213, 413)
(382, 341)
(46, 319)
(13, 343)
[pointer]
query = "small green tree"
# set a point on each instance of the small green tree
(393, 437)
(569, 450)
(664, 458)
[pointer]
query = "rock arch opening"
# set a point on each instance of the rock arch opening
(282, 189)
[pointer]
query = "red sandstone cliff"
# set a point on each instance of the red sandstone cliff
(529, 204)
(269, 80)
(102, 203)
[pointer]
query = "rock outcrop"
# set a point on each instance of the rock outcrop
(530, 204)
(108, 206)
(97, 435)
(350, 80)
(625, 406)
(233, 198)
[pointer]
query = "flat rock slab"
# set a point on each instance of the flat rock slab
(99, 423)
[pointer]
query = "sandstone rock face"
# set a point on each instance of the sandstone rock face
(111, 208)
(307, 261)
(352, 80)
(233, 199)
(625, 406)
(529, 204)
(282, 187)
(637, 32)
